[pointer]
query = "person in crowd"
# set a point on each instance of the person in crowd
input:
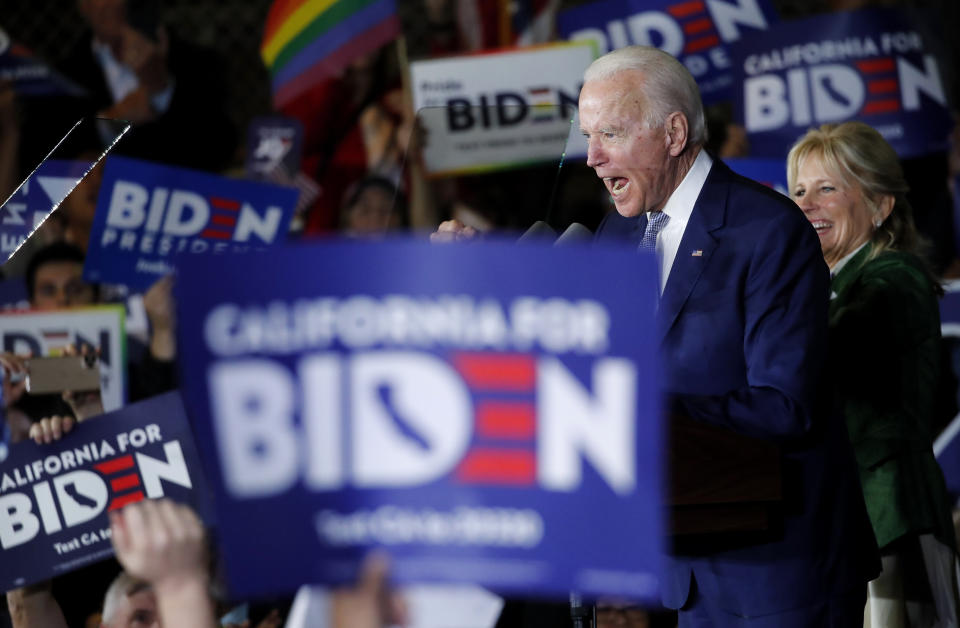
(373, 208)
(885, 362)
(55, 278)
(162, 546)
(135, 68)
(355, 124)
(742, 319)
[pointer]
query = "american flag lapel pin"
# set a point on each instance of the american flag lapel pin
(697, 253)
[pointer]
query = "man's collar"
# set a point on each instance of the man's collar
(681, 201)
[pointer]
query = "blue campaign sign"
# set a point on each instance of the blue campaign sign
(947, 445)
(13, 294)
(474, 410)
(30, 75)
(148, 215)
(770, 172)
(697, 32)
(33, 201)
(54, 498)
(873, 65)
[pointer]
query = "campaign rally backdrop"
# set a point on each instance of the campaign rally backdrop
(697, 32)
(99, 328)
(872, 65)
(487, 413)
(148, 215)
(770, 172)
(43, 190)
(54, 498)
(502, 109)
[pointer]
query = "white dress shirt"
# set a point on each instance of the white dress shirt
(679, 207)
(122, 80)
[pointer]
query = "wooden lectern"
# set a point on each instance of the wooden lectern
(721, 481)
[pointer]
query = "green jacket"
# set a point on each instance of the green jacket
(885, 367)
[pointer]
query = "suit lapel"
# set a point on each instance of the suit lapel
(696, 246)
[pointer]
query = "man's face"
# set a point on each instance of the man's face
(60, 284)
(138, 610)
(630, 157)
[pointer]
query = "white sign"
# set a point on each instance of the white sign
(498, 110)
(100, 327)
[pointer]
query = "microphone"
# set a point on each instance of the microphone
(538, 231)
(573, 234)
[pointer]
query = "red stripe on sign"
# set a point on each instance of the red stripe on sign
(485, 371)
(697, 26)
(493, 466)
(696, 45)
(227, 221)
(883, 86)
(124, 482)
(218, 235)
(686, 8)
(123, 500)
(117, 464)
(501, 419)
(225, 203)
(881, 106)
(873, 66)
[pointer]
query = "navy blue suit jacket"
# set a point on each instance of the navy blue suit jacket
(743, 328)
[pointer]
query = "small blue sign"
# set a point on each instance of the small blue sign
(872, 65)
(32, 202)
(274, 147)
(54, 498)
(149, 214)
(695, 32)
(473, 410)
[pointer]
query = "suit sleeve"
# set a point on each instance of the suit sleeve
(785, 300)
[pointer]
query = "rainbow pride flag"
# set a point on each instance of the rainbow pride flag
(306, 41)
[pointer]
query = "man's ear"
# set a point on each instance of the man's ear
(676, 131)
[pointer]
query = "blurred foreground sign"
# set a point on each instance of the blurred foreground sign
(498, 110)
(148, 214)
(472, 409)
(54, 498)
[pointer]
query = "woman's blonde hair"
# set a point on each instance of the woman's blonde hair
(858, 154)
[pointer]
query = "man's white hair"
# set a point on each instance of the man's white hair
(122, 587)
(667, 86)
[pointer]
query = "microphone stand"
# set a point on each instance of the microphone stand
(582, 616)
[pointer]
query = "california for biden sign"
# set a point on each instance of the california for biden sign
(55, 498)
(475, 410)
(876, 66)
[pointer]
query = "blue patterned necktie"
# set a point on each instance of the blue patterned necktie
(655, 222)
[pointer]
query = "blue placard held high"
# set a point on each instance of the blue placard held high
(874, 65)
(148, 215)
(474, 410)
(697, 33)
